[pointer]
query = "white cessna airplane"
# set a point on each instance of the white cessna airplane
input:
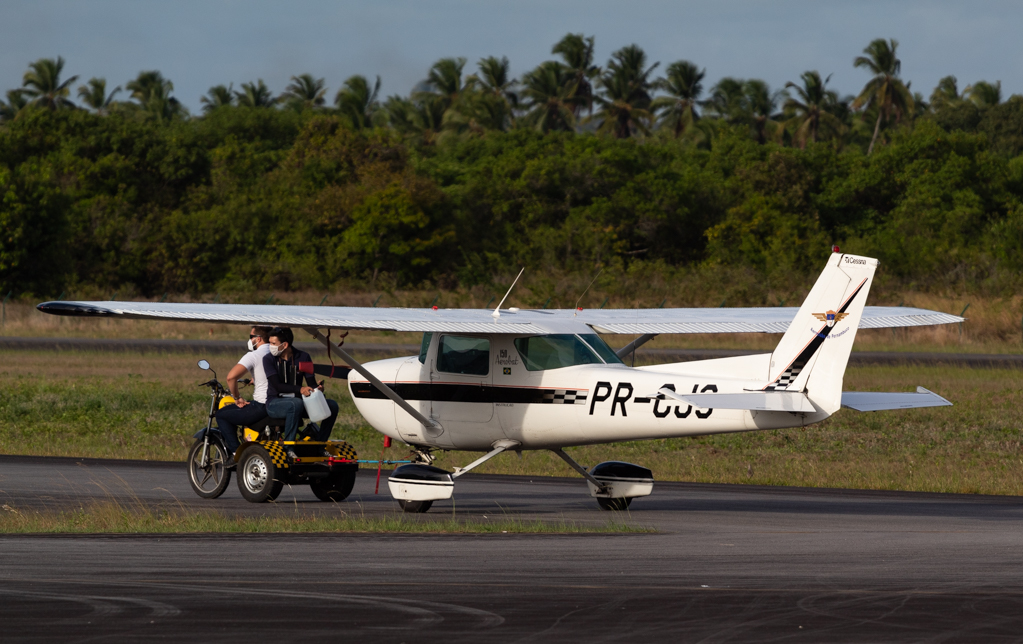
(492, 381)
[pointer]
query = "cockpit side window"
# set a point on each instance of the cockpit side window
(543, 352)
(425, 348)
(464, 355)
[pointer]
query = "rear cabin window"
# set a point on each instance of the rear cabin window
(425, 348)
(467, 356)
(542, 352)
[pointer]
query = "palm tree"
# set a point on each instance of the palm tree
(94, 95)
(305, 92)
(727, 100)
(152, 91)
(885, 90)
(443, 83)
(946, 93)
(356, 101)
(42, 84)
(682, 83)
(812, 108)
(255, 95)
(422, 118)
(217, 96)
(16, 102)
(761, 104)
(493, 77)
(625, 102)
(550, 97)
(984, 94)
(577, 52)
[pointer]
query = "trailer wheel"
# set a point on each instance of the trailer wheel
(415, 507)
(258, 478)
(209, 479)
(337, 486)
(616, 505)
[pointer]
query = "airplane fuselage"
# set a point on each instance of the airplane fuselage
(559, 407)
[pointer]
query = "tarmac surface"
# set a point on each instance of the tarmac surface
(378, 350)
(728, 564)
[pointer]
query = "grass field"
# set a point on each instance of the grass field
(148, 406)
(114, 518)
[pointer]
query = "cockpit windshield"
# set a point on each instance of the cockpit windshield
(543, 352)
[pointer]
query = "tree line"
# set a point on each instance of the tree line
(569, 168)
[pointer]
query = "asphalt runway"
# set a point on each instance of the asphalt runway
(728, 564)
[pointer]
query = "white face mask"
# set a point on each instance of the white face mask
(276, 349)
(252, 347)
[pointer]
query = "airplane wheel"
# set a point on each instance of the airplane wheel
(337, 487)
(416, 507)
(257, 476)
(616, 505)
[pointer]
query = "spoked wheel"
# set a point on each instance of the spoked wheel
(258, 477)
(336, 487)
(617, 505)
(415, 507)
(207, 469)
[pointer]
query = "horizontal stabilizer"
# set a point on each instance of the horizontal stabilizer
(750, 400)
(880, 401)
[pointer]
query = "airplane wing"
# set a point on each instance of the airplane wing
(608, 321)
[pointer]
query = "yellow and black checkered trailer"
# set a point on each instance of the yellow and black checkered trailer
(265, 465)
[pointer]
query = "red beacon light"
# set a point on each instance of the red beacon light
(435, 307)
(836, 249)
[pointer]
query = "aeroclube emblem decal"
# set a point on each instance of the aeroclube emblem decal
(830, 317)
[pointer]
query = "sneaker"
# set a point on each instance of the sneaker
(291, 453)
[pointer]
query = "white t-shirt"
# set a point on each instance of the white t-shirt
(253, 362)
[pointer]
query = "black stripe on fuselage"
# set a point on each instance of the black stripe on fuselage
(472, 393)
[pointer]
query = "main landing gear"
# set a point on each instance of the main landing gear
(613, 484)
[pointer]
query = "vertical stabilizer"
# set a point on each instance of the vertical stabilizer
(814, 352)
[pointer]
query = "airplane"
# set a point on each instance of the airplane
(529, 379)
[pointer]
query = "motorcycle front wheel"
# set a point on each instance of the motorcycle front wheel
(209, 479)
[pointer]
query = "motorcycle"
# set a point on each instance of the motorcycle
(264, 461)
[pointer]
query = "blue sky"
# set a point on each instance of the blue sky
(198, 44)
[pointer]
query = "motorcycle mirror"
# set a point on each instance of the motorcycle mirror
(204, 365)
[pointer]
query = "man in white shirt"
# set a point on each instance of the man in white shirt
(243, 413)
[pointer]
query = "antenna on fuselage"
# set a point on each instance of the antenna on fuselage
(586, 289)
(497, 311)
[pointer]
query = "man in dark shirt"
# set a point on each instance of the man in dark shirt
(284, 385)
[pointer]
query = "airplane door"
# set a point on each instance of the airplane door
(460, 375)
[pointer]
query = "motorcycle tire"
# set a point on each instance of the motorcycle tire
(211, 480)
(258, 477)
(337, 487)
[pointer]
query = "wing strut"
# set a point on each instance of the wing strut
(579, 468)
(376, 382)
(635, 344)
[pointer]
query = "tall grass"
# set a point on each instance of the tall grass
(114, 518)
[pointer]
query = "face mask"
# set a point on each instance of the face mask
(276, 349)
(252, 347)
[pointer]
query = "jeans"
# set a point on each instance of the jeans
(231, 416)
(291, 410)
(327, 424)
